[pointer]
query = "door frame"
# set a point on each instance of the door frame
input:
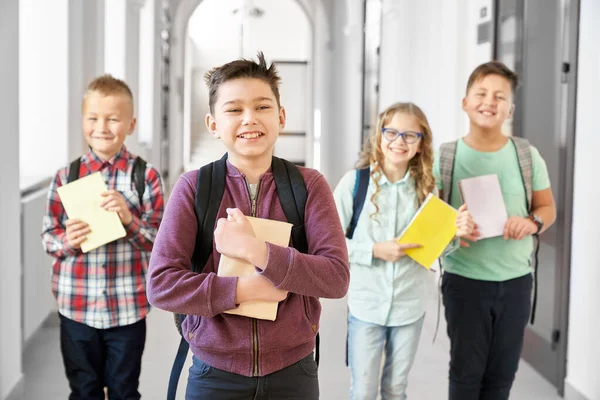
(550, 358)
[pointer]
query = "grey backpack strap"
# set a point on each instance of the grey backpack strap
(447, 152)
(526, 166)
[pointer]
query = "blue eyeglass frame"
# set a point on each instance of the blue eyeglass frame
(384, 130)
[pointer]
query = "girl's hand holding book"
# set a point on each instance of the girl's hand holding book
(392, 250)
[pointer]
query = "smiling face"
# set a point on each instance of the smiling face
(107, 121)
(488, 102)
(247, 118)
(397, 152)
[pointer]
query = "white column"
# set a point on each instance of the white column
(149, 106)
(10, 205)
(85, 62)
(122, 51)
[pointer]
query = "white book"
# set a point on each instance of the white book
(483, 197)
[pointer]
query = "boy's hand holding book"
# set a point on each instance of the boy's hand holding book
(517, 228)
(467, 228)
(76, 231)
(242, 241)
(256, 287)
(235, 238)
(114, 201)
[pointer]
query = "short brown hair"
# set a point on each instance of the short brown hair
(107, 85)
(241, 68)
(493, 68)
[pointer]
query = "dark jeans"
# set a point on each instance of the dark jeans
(98, 358)
(299, 381)
(486, 326)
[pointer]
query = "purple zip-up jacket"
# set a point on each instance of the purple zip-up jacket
(234, 343)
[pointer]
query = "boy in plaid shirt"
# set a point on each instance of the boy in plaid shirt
(101, 294)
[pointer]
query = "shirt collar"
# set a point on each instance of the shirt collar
(383, 180)
(119, 160)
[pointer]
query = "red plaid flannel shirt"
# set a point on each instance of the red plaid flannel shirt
(105, 287)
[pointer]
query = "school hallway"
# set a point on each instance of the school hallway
(44, 376)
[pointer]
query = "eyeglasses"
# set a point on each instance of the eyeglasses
(409, 137)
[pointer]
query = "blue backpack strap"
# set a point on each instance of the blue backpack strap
(359, 194)
(210, 187)
(361, 185)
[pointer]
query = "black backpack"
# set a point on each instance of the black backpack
(138, 174)
(211, 178)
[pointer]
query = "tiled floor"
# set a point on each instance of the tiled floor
(44, 375)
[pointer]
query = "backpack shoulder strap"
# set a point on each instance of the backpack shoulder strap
(361, 185)
(291, 190)
(523, 148)
(447, 154)
(209, 192)
(138, 176)
(74, 170)
(210, 187)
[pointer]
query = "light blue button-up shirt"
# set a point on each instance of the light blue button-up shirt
(382, 292)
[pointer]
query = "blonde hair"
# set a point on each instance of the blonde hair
(420, 166)
(107, 85)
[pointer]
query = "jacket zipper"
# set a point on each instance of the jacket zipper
(254, 320)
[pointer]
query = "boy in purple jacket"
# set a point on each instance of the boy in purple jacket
(237, 357)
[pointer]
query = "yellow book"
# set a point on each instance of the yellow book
(433, 227)
(81, 200)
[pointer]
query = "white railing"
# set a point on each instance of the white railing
(38, 301)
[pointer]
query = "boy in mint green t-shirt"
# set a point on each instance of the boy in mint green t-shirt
(487, 284)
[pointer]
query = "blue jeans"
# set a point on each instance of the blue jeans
(366, 343)
(98, 358)
(299, 381)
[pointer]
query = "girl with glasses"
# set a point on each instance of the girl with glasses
(388, 291)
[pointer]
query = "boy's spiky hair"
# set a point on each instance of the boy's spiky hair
(108, 85)
(493, 68)
(241, 68)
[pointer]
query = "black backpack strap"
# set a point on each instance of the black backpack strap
(210, 187)
(209, 192)
(74, 170)
(361, 185)
(138, 176)
(292, 196)
(177, 368)
(291, 190)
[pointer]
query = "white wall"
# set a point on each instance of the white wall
(340, 141)
(429, 48)
(283, 33)
(44, 101)
(10, 232)
(584, 325)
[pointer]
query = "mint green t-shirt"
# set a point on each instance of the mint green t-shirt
(494, 259)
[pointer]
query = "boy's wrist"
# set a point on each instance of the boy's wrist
(258, 253)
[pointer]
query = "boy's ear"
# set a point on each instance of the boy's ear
(464, 104)
(211, 125)
(132, 126)
(512, 110)
(282, 118)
